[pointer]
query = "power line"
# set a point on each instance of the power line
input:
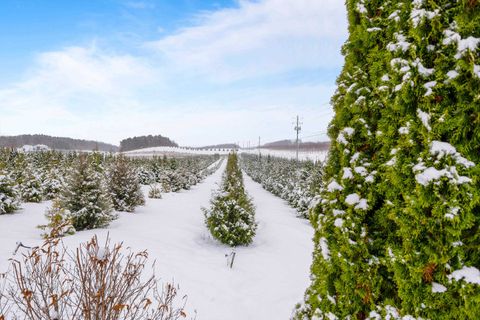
(316, 135)
(297, 128)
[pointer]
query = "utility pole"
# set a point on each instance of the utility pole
(259, 148)
(297, 129)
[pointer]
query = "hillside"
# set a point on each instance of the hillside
(143, 142)
(57, 143)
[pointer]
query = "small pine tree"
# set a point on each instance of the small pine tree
(31, 185)
(85, 197)
(155, 191)
(52, 183)
(231, 217)
(59, 224)
(145, 175)
(8, 194)
(124, 186)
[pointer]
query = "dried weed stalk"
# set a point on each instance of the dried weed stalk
(94, 282)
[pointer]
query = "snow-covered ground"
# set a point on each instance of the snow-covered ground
(267, 278)
(314, 155)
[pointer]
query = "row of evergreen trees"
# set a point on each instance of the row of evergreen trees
(38, 176)
(90, 194)
(397, 232)
(299, 183)
(174, 174)
(86, 188)
(231, 216)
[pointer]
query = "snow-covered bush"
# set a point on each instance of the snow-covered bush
(297, 183)
(95, 281)
(85, 198)
(30, 185)
(231, 216)
(396, 233)
(174, 174)
(52, 183)
(145, 175)
(123, 185)
(155, 191)
(8, 193)
(59, 223)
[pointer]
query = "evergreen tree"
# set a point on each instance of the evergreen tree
(433, 197)
(52, 182)
(8, 193)
(231, 217)
(85, 199)
(145, 175)
(31, 185)
(124, 186)
(155, 191)
(396, 231)
(59, 224)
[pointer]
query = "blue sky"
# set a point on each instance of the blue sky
(200, 72)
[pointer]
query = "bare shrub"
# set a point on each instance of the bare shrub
(94, 282)
(4, 304)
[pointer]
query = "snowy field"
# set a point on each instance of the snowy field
(174, 151)
(267, 280)
(313, 155)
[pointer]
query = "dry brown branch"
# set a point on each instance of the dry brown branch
(4, 304)
(94, 282)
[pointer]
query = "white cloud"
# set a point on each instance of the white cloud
(139, 5)
(89, 92)
(60, 78)
(259, 39)
(79, 69)
(65, 87)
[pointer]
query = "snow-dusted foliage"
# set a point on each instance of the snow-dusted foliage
(31, 185)
(155, 191)
(27, 177)
(8, 193)
(59, 223)
(231, 216)
(47, 175)
(399, 217)
(174, 174)
(85, 198)
(123, 185)
(297, 183)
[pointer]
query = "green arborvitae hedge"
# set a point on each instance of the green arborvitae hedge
(231, 216)
(296, 182)
(397, 232)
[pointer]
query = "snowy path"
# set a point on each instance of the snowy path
(267, 279)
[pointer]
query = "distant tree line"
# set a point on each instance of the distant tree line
(146, 142)
(289, 144)
(57, 143)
